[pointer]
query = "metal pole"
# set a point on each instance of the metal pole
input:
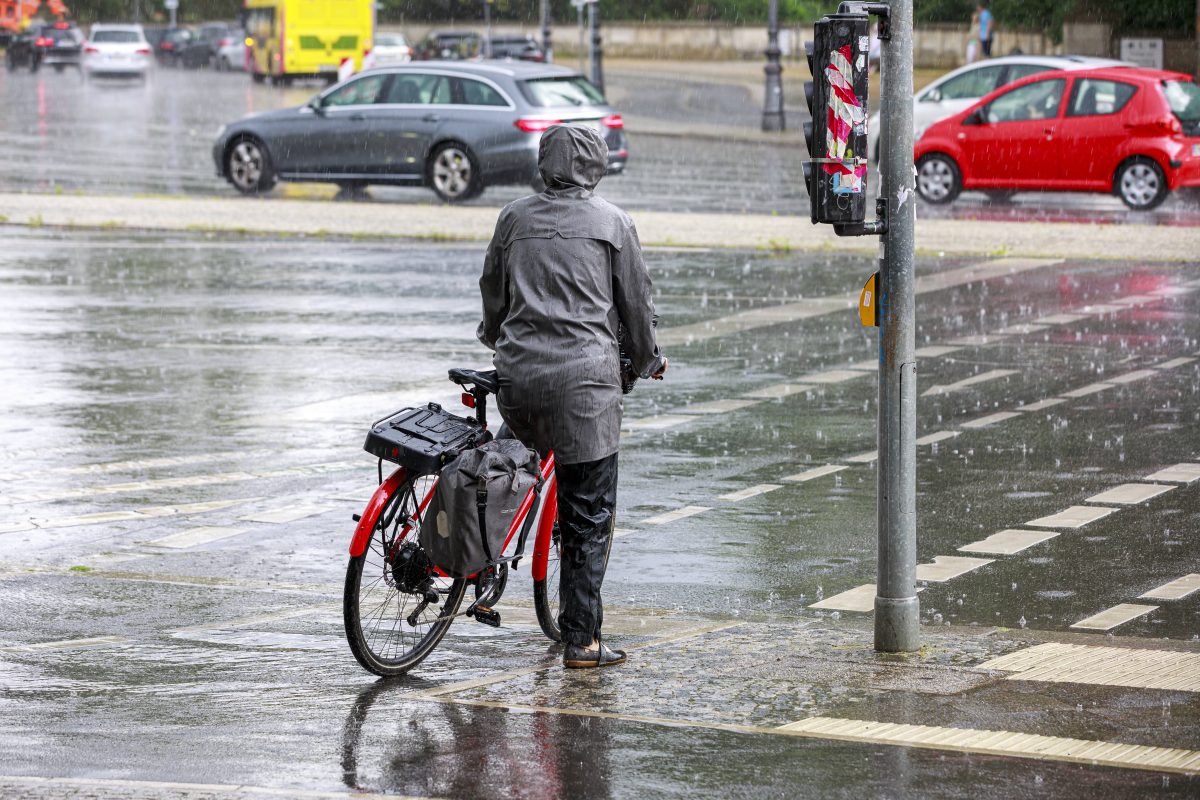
(597, 51)
(582, 50)
(137, 11)
(172, 22)
(547, 47)
(897, 610)
(772, 116)
(487, 28)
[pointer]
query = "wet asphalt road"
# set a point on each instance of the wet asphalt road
(154, 386)
(60, 134)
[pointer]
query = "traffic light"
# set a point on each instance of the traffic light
(836, 174)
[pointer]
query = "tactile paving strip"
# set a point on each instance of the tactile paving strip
(1005, 743)
(1102, 666)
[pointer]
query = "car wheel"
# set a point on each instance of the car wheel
(1141, 184)
(248, 167)
(453, 174)
(938, 179)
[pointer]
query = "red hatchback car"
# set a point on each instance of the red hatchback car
(1131, 132)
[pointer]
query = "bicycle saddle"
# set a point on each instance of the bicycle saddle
(488, 381)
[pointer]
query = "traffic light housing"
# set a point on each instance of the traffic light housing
(837, 97)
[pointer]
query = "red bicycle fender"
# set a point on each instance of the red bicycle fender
(541, 545)
(370, 515)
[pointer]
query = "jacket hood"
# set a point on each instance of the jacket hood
(572, 155)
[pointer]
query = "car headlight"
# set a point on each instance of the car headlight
(221, 131)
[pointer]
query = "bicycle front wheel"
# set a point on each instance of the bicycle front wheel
(391, 623)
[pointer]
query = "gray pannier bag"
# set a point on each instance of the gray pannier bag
(477, 496)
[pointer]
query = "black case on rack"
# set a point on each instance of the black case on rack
(422, 439)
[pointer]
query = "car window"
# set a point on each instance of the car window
(1018, 71)
(1035, 101)
(569, 91)
(1092, 97)
(971, 85)
(1184, 99)
(415, 88)
(478, 93)
(361, 92)
(116, 37)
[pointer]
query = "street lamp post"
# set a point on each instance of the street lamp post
(772, 117)
(547, 47)
(597, 51)
(487, 28)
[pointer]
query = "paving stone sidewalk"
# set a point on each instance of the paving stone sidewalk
(704, 230)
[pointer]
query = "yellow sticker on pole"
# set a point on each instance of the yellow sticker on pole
(868, 303)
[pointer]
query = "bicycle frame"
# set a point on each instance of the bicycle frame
(546, 510)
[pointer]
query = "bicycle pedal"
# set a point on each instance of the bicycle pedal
(488, 616)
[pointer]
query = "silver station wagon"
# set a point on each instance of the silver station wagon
(452, 126)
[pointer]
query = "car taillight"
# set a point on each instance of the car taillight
(529, 125)
(62, 26)
(90, 49)
(613, 121)
(143, 51)
(167, 46)
(1173, 125)
(43, 41)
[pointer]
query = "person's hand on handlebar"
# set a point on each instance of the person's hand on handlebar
(658, 376)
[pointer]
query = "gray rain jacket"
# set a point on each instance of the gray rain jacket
(562, 268)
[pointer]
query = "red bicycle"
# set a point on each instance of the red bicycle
(398, 604)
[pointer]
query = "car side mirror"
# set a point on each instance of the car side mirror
(933, 96)
(317, 104)
(976, 117)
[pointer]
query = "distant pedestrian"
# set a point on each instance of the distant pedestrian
(983, 16)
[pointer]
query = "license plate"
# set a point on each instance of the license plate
(1196, 151)
(327, 68)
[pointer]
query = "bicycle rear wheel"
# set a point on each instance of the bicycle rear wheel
(390, 624)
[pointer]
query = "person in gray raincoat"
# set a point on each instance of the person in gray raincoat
(563, 268)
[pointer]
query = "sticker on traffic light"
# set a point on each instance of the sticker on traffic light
(836, 174)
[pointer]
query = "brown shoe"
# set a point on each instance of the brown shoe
(576, 657)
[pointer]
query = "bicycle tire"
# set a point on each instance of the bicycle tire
(546, 591)
(375, 656)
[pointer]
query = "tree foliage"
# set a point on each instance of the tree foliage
(1045, 15)
(1049, 15)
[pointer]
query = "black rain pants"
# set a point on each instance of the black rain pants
(587, 504)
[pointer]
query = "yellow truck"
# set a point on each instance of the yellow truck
(288, 39)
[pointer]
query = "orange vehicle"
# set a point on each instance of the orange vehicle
(15, 15)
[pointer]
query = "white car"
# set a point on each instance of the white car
(390, 48)
(958, 90)
(231, 51)
(118, 51)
